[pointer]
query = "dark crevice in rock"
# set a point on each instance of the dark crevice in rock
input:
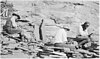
(40, 30)
(50, 2)
(78, 4)
(53, 19)
(96, 3)
(67, 2)
(74, 3)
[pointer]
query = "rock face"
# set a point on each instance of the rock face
(64, 12)
(38, 19)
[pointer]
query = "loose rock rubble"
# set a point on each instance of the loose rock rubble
(32, 12)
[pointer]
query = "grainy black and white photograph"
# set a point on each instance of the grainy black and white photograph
(49, 29)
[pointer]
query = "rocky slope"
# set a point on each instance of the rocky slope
(61, 12)
(66, 12)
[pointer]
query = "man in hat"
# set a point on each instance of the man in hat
(84, 36)
(11, 27)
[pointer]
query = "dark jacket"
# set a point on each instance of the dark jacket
(8, 27)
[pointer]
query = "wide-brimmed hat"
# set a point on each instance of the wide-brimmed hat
(14, 14)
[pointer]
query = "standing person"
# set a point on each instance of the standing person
(83, 36)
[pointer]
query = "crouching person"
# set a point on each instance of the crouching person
(11, 27)
(61, 38)
(83, 36)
